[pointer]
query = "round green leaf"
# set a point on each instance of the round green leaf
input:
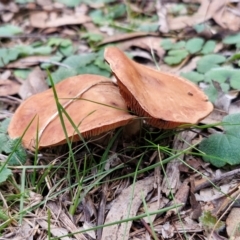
(208, 47)
(232, 39)
(223, 148)
(194, 45)
(224, 75)
(4, 173)
(193, 76)
(210, 61)
(10, 30)
(179, 45)
(167, 44)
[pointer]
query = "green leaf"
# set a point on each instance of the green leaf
(66, 51)
(193, 76)
(10, 30)
(93, 69)
(232, 39)
(54, 41)
(44, 50)
(21, 73)
(7, 55)
(177, 9)
(24, 1)
(4, 125)
(194, 45)
(76, 61)
(211, 92)
(179, 45)
(210, 61)
(208, 47)
(4, 173)
(19, 157)
(148, 27)
(17, 154)
(176, 56)
(3, 141)
(53, 59)
(167, 44)
(200, 27)
(98, 1)
(234, 57)
(223, 148)
(210, 222)
(93, 37)
(10, 54)
(61, 74)
(223, 75)
(116, 11)
(70, 3)
(99, 18)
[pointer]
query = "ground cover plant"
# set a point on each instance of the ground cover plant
(130, 179)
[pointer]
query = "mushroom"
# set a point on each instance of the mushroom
(167, 101)
(93, 103)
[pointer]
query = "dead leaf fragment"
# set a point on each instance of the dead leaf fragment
(42, 20)
(205, 12)
(28, 61)
(120, 210)
(8, 87)
(232, 222)
(66, 221)
(228, 18)
(35, 83)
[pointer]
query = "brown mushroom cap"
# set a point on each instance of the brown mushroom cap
(166, 100)
(107, 112)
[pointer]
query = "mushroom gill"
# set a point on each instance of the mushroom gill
(92, 102)
(165, 100)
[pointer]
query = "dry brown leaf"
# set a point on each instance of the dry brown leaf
(65, 220)
(144, 88)
(35, 83)
(204, 13)
(43, 20)
(228, 18)
(125, 206)
(28, 62)
(8, 87)
(148, 43)
(125, 37)
(162, 17)
(106, 112)
(171, 181)
(10, 6)
(232, 222)
(55, 230)
(214, 117)
(6, 17)
(184, 225)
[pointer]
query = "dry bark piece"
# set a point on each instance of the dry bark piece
(93, 103)
(167, 101)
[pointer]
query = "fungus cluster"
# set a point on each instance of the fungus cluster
(96, 105)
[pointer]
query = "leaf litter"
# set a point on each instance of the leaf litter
(68, 199)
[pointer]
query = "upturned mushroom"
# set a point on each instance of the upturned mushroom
(93, 103)
(165, 100)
